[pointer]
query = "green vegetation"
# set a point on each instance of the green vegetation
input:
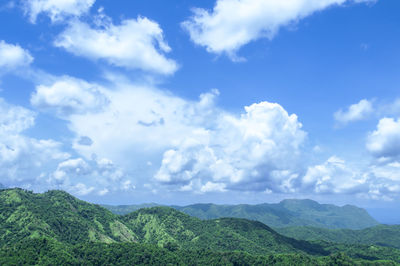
(284, 214)
(55, 228)
(382, 235)
(288, 213)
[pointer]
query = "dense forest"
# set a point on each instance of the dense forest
(54, 228)
(283, 214)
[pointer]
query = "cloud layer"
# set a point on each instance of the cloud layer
(234, 23)
(57, 10)
(133, 44)
(13, 56)
(355, 112)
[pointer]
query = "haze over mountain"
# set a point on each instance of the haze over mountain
(283, 214)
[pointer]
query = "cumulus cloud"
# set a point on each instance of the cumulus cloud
(133, 44)
(68, 96)
(82, 177)
(13, 56)
(234, 23)
(255, 151)
(23, 158)
(354, 112)
(335, 176)
(57, 10)
(187, 141)
(385, 140)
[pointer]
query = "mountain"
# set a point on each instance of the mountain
(287, 213)
(54, 228)
(56, 215)
(2, 186)
(59, 216)
(125, 209)
(383, 235)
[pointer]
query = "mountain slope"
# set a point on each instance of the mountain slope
(288, 213)
(166, 226)
(383, 235)
(56, 215)
(55, 227)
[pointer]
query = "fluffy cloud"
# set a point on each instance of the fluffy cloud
(187, 142)
(13, 56)
(82, 177)
(335, 176)
(385, 140)
(57, 10)
(358, 111)
(134, 44)
(69, 96)
(23, 158)
(254, 152)
(234, 23)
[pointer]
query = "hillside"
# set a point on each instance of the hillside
(56, 215)
(55, 227)
(287, 213)
(383, 235)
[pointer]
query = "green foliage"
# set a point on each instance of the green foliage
(288, 213)
(284, 214)
(50, 252)
(382, 235)
(55, 228)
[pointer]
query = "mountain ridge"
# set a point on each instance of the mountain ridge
(287, 213)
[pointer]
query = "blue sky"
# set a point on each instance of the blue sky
(225, 101)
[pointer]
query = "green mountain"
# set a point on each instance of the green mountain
(54, 228)
(287, 213)
(56, 215)
(125, 209)
(383, 235)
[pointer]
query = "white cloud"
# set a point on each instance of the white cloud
(82, 177)
(193, 140)
(13, 56)
(68, 96)
(57, 10)
(253, 152)
(385, 140)
(355, 112)
(134, 44)
(213, 187)
(334, 176)
(234, 23)
(22, 158)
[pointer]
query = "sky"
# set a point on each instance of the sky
(223, 101)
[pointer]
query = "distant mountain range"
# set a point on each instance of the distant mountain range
(55, 228)
(287, 213)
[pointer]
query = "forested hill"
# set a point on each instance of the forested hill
(384, 235)
(284, 214)
(288, 213)
(55, 228)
